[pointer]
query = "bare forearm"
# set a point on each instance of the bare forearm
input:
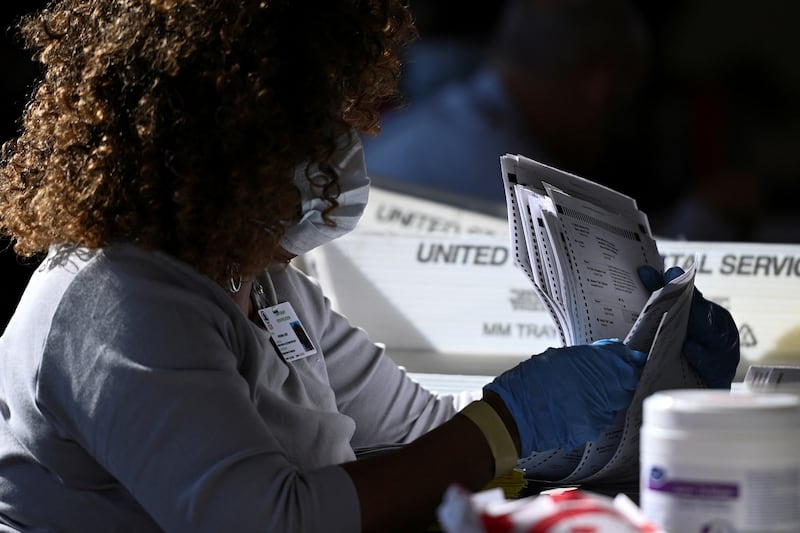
(403, 488)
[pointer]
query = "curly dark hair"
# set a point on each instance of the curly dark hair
(177, 124)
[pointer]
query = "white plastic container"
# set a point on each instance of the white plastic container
(714, 461)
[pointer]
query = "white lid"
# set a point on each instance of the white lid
(722, 410)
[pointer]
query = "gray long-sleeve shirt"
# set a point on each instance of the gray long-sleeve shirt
(135, 396)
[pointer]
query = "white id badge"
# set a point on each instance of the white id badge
(288, 334)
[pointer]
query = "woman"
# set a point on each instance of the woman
(166, 369)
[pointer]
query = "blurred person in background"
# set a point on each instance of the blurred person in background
(556, 78)
(451, 48)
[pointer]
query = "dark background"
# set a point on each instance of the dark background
(16, 82)
(717, 118)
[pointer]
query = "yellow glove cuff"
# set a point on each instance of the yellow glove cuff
(491, 425)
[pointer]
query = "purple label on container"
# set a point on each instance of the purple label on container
(682, 488)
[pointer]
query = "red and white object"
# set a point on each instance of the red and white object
(569, 511)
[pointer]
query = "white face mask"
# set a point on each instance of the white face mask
(311, 230)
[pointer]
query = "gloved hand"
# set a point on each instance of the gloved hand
(712, 338)
(565, 397)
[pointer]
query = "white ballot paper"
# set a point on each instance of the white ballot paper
(580, 245)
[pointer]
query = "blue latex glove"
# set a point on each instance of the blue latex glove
(712, 338)
(566, 397)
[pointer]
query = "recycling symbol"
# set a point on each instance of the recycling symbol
(746, 336)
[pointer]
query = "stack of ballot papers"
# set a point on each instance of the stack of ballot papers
(580, 244)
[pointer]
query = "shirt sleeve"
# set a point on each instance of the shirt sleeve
(143, 376)
(386, 404)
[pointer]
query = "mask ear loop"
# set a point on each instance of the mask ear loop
(235, 278)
